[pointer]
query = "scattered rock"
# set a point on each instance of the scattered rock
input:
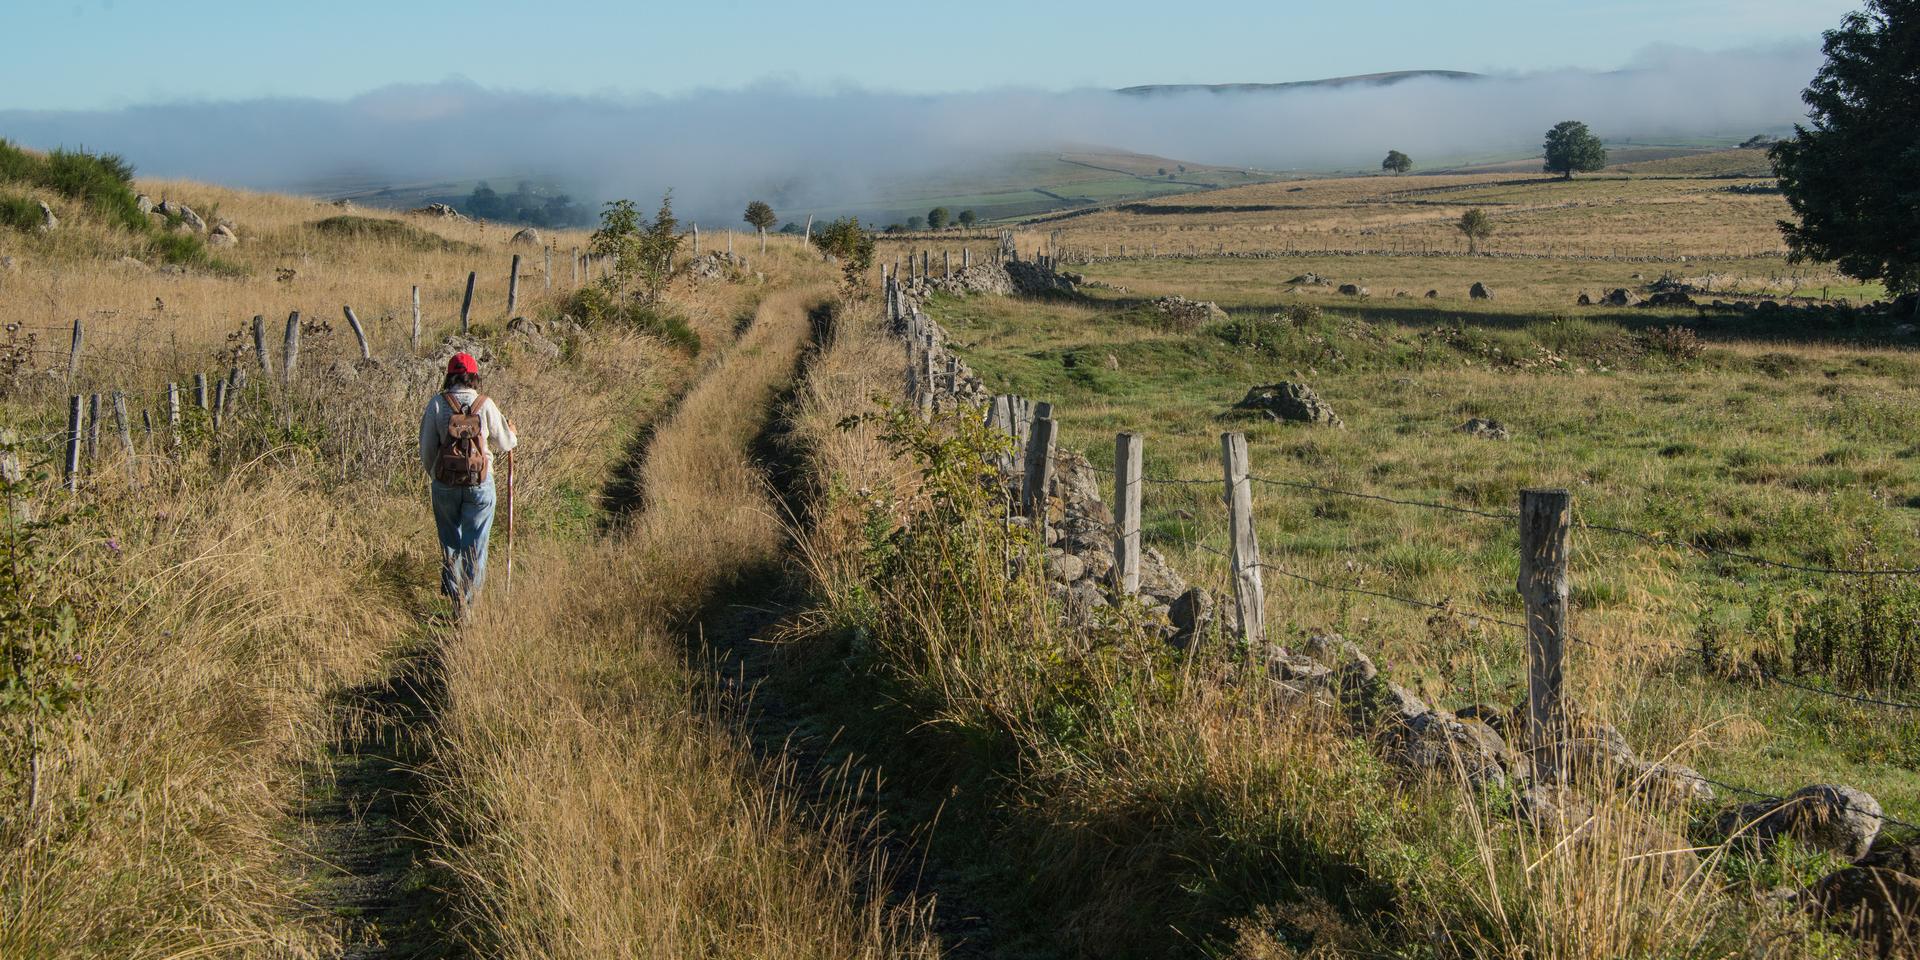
(1668, 782)
(1489, 429)
(1064, 567)
(527, 333)
(223, 236)
(527, 237)
(143, 202)
(48, 222)
(1353, 290)
(180, 211)
(1584, 300)
(1187, 314)
(1617, 297)
(1668, 298)
(1289, 401)
(1479, 291)
(1877, 899)
(1113, 362)
(1311, 279)
(1831, 817)
(440, 210)
(1433, 294)
(11, 265)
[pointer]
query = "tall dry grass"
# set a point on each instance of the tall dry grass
(610, 809)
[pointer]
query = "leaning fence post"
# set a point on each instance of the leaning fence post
(1039, 471)
(359, 333)
(513, 286)
(416, 316)
(1249, 594)
(93, 428)
(73, 355)
(126, 434)
(71, 469)
(260, 345)
(1546, 517)
(466, 304)
(290, 350)
(1126, 493)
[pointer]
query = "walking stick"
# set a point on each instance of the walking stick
(509, 522)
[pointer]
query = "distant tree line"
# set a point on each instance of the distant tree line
(524, 205)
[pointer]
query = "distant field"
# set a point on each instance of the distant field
(1782, 439)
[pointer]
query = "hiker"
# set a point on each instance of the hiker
(459, 432)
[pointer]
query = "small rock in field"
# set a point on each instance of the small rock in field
(1488, 429)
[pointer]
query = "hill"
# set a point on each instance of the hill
(1388, 78)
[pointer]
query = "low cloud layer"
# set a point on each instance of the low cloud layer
(839, 149)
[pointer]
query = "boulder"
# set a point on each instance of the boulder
(1311, 279)
(143, 202)
(1668, 298)
(1832, 817)
(440, 210)
(1436, 743)
(223, 236)
(1488, 429)
(528, 334)
(528, 237)
(1584, 300)
(1289, 401)
(1617, 297)
(1064, 567)
(1191, 614)
(48, 222)
(180, 211)
(1877, 900)
(1479, 291)
(1353, 290)
(1188, 314)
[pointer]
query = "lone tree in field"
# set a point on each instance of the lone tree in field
(1571, 148)
(1850, 176)
(845, 240)
(761, 217)
(1477, 226)
(937, 218)
(968, 218)
(641, 251)
(1396, 162)
(915, 223)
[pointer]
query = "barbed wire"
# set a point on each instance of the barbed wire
(1667, 541)
(1883, 817)
(1708, 658)
(1363, 591)
(1426, 504)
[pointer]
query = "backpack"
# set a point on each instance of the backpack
(463, 458)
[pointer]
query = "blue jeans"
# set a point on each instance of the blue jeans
(464, 517)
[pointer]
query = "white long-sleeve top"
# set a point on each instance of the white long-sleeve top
(496, 433)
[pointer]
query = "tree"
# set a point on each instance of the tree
(1477, 226)
(845, 240)
(1396, 162)
(937, 218)
(1849, 176)
(640, 251)
(968, 218)
(761, 217)
(1163, 171)
(914, 223)
(1571, 148)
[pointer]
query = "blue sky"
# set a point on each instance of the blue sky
(90, 54)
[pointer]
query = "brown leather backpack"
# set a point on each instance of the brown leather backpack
(463, 458)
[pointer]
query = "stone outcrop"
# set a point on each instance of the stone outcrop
(1185, 314)
(48, 222)
(440, 211)
(183, 213)
(1479, 291)
(1289, 401)
(528, 237)
(223, 236)
(1835, 818)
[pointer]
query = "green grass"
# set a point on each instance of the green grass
(1792, 452)
(19, 213)
(397, 232)
(104, 184)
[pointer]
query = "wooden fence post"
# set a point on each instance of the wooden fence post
(200, 391)
(260, 352)
(173, 408)
(928, 377)
(913, 376)
(946, 263)
(546, 272)
(966, 257)
(359, 333)
(575, 254)
(1249, 594)
(953, 375)
(466, 304)
(416, 316)
(219, 402)
(1126, 495)
(290, 350)
(513, 286)
(1039, 474)
(1546, 517)
(93, 428)
(696, 240)
(73, 355)
(125, 428)
(71, 471)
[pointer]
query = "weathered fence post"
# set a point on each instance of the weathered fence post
(466, 304)
(219, 403)
(290, 350)
(93, 428)
(513, 286)
(1546, 517)
(73, 355)
(1039, 473)
(200, 391)
(173, 406)
(966, 257)
(1126, 495)
(1249, 594)
(71, 467)
(575, 254)
(546, 272)
(808, 238)
(946, 263)
(953, 375)
(416, 316)
(359, 333)
(913, 376)
(260, 345)
(696, 240)
(126, 434)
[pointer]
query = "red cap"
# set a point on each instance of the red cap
(462, 363)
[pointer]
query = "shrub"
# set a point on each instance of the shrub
(595, 304)
(103, 182)
(20, 213)
(396, 232)
(1862, 634)
(1675, 343)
